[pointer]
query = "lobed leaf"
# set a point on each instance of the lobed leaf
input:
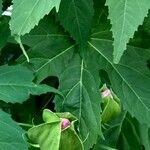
(125, 16)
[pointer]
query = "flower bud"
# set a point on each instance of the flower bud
(65, 123)
(110, 106)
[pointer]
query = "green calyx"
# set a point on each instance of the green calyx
(111, 105)
(51, 136)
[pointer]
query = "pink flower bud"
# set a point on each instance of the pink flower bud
(65, 123)
(106, 93)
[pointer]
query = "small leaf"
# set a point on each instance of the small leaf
(26, 14)
(16, 84)
(125, 16)
(11, 134)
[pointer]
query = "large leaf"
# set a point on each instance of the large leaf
(16, 84)
(81, 99)
(26, 14)
(130, 79)
(125, 16)
(11, 134)
(76, 17)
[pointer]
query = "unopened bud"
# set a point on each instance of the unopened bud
(106, 93)
(65, 123)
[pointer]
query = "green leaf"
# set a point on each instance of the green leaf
(16, 84)
(125, 16)
(130, 78)
(76, 17)
(46, 135)
(26, 14)
(12, 136)
(81, 99)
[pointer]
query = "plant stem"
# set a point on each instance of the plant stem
(25, 125)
